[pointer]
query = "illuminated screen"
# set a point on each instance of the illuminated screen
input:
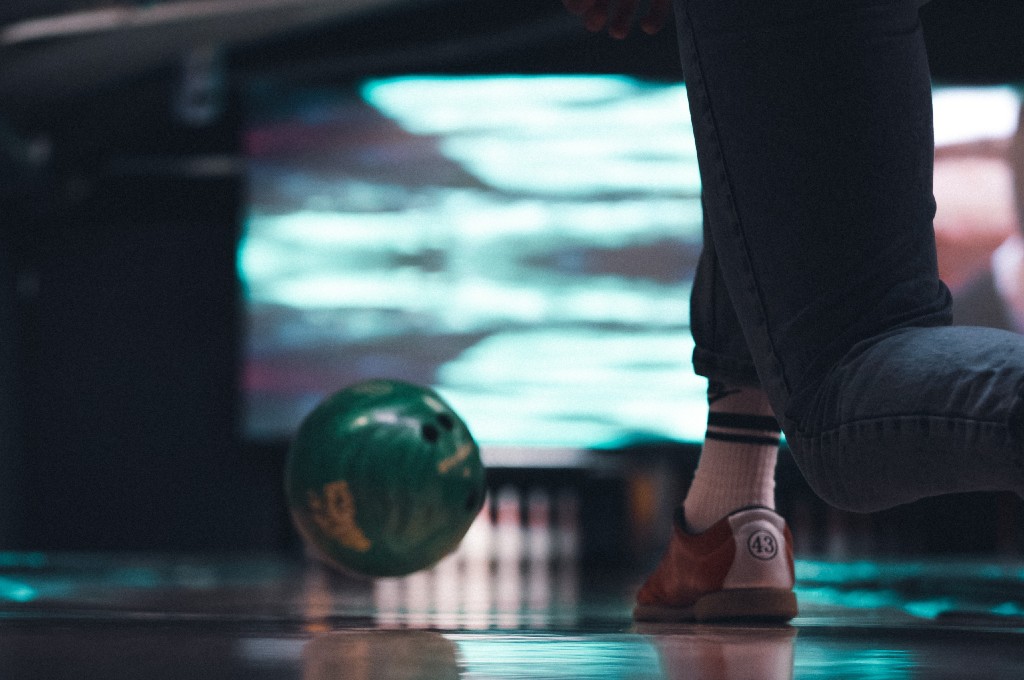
(525, 245)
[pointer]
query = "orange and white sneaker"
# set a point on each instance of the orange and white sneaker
(739, 569)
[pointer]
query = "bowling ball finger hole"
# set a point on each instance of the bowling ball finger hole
(430, 432)
(445, 421)
(472, 500)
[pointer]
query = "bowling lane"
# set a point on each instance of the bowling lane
(130, 616)
(147, 650)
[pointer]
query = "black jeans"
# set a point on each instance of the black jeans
(818, 279)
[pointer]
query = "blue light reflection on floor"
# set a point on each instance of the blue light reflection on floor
(15, 591)
(926, 590)
(546, 656)
(275, 614)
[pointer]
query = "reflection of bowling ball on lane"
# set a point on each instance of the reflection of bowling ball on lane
(384, 479)
(380, 655)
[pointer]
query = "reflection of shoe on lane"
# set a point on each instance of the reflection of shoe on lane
(724, 652)
(739, 569)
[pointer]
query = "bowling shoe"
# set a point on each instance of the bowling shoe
(739, 569)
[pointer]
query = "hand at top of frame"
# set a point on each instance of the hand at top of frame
(617, 16)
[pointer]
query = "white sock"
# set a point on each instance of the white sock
(737, 464)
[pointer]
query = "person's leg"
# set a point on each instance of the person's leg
(720, 350)
(730, 555)
(813, 126)
(736, 468)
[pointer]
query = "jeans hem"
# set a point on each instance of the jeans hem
(724, 369)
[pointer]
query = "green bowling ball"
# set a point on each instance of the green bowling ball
(383, 479)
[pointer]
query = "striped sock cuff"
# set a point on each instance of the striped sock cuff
(743, 428)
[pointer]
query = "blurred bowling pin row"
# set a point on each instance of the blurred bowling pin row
(517, 565)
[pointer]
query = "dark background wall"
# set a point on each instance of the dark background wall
(123, 324)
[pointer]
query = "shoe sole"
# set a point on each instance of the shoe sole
(741, 604)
